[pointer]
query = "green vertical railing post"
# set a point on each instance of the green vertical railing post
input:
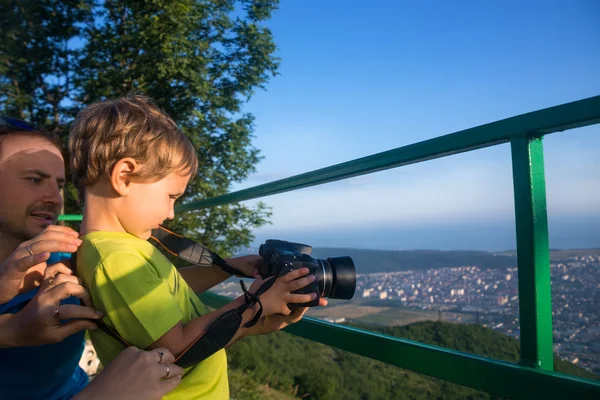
(533, 253)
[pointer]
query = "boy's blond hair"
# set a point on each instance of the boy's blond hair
(135, 127)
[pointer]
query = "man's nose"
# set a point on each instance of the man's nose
(53, 194)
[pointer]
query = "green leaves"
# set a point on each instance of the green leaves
(199, 59)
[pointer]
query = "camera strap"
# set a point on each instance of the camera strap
(191, 251)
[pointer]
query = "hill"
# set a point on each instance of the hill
(369, 261)
(310, 370)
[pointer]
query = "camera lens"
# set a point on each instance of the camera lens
(339, 278)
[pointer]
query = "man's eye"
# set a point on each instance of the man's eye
(35, 181)
(173, 197)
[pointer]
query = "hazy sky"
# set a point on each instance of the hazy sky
(361, 77)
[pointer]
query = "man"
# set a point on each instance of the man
(39, 305)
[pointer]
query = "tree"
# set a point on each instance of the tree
(36, 61)
(199, 59)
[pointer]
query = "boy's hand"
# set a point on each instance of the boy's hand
(249, 265)
(276, 299)
(275, 322)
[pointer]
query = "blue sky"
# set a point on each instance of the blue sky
(357, 78)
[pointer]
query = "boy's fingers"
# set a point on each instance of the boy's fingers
(299, 312)
(300, 283)
(295, 274)
(296, 315)
(299, 298)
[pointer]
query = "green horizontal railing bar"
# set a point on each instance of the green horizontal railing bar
(492, 376)
(70, 217)
(538, 123)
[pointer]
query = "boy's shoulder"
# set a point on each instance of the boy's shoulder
(120, 249)
(111, 242)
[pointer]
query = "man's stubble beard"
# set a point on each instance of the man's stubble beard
(10, 230)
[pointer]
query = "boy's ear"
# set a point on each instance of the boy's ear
(120, 176)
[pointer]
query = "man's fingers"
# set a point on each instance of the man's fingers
(53, 246)
(174, 370)
(167, 356)
(62, 278)
(60, 229)
(23, 264)
(73, 311)
(72, 327)
(68, 289)
(51, 234)
(169, 384)
(57, 268)
(295, 274)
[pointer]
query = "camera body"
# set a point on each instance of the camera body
(335, 276)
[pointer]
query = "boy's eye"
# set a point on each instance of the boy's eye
(173, 197)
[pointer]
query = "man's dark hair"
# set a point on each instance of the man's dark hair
(14, 126)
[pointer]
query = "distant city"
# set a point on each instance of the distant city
(489, 297)
(492, 297)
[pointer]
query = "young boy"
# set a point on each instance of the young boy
(130, 163)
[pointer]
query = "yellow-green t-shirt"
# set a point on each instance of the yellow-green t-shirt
(143, 296)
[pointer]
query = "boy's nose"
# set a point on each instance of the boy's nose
(171, 215)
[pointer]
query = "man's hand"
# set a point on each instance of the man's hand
(249, 265)
(40, 321)
(24, 268)
(135, 374)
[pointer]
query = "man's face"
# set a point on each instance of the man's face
(32, 173)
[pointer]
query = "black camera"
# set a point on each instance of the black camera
(336, 276)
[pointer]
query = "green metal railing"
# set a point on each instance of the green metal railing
(533, 376)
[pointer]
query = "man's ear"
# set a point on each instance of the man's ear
(120, 175)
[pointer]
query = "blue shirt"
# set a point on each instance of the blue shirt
(41, 372)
